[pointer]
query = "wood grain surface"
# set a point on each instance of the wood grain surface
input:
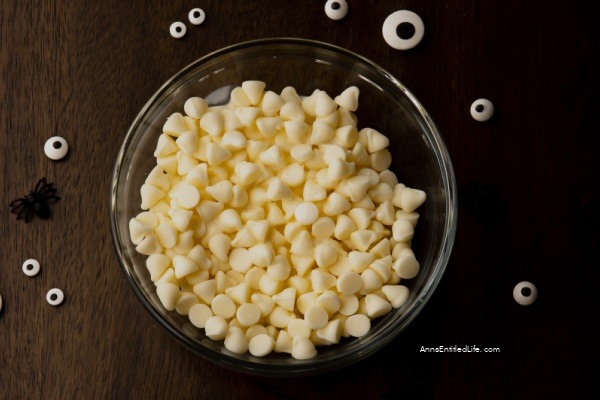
(83, 69)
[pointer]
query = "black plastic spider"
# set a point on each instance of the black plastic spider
(37, 202)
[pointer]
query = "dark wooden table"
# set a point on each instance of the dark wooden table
(83, 69)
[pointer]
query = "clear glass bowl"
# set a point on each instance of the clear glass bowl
(420, 160)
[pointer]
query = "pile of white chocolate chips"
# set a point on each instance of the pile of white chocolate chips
(273, 223)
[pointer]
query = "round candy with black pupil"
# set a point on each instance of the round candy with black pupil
(482, 110)
(177, 29)
(31, 267)
(336, 9)
(403, 30)
(55, 297)
(56, 148)
(196, 16)
(525, 293)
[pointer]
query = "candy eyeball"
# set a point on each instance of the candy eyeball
(177, 29)
(55, 297)
(482, 110)
(31, 267)
(403, 30)
(525, 293)
(196, 16)
(56, 148)
(336, 9)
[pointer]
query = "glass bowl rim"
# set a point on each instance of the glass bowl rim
(438, 268)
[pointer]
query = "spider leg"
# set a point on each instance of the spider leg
(40, 184)
(18, 208)
(48, 189)
(17, 202)
(29, 215)
(23, 212)
(55, 198)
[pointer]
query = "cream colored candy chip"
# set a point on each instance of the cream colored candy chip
(236, 341)
(248, 314)
(261, 345)
(216, 328)
(358, 325)
(316, 317)
(199, 314)
(274, 223)
(303, 349)
(239, 259)
(349, 282)
(223, 306)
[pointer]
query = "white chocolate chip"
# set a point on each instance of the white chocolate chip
(175, 125)
(261, 254)
(316, 317)
(183, 266)
(306, 213)
(254, 90)
(212, 122)
(324, 104)
(248, 314)
(216, 328)
(349, 283)
(406, 266)
(195, 107)
(293, 175)
(219, 245)
(402, 230)
(236, 341)
(381, 160)
(396, 294)
(168, 295)
(325, 255)
(286, 299)
(321, 133)
(261, 345)
(291, 111)
(349, 304)
(329, 301)
(303, 349)
(223, 306)
(335, 205)
(239, 293)
(358, 325)
(348, 99)
(376, 306)
(199, 314)
(239, 259)
(411, 199)
(280, 317)
(323, 228)
(321, 280)
(247, 115)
